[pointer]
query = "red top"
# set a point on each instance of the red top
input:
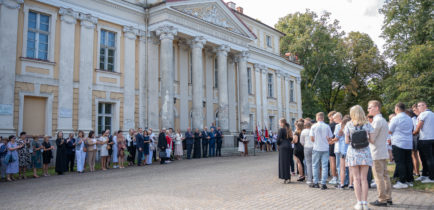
(169, 141)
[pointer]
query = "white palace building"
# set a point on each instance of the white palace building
(94, 64)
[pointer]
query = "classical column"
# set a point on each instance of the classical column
(222, 71)
(258, 94)
(152, 84)
(244, 92)
(184, 114)
(166, 34)
(86, 72)
(279, 94)
(209, 85)
(197, 109)
(286, 81)
(130, 35)
(66, 66)
(232, 99)
(264, 72)
(8, 58)
(142, 79)
(298, 87)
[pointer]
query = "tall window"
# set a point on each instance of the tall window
(293, 124)
(271, 119)
(291, 91)
(270, 85)
(216, 74)
(105, 116)
(249, 80)
(251, 122)
(107, 50)
(268, 39)
(37, 36)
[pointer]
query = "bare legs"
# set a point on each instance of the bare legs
(415, 158)
(360, 174)
(332, 161)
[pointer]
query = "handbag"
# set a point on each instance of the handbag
(84, 149)
(163, 154)
(108, 147)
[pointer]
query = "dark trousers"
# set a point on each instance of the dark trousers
(369, 176)
(205, 148)
(189, 149)
(219, 148)
(427, 148)
(154, 155)
(70, 161)
(139, 156)
(291, 160)
(132, 156)
(404, 164)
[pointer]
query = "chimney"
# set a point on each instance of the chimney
(231, 5)
(240, 10)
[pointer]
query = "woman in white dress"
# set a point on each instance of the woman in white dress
(80, 154)
(241, 139)
(178, 145)
(102, 141)
(115, 150)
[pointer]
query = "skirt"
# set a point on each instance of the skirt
(104, 150)
(37, 160)
(358, 157)
(47, 156)
(240, 147)
(178, 149)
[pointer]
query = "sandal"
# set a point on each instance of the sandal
(300, 179)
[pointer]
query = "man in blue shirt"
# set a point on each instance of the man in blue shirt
(140, 141)
(189, 142)
(212, 138)
(401, 128)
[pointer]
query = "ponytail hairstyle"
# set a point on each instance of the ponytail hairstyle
(299, 127)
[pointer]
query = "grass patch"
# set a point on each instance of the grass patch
(417, 185)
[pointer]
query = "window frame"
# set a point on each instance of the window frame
(270, 86)
(106, 48)
(249, 81)
(118, 36)
(268, 41)
(51, 30)
(104, 115)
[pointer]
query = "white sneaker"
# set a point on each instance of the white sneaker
(410, 184)
(421, 178)
(373, 185)
(365, 207)
(427, 180)
(333, 180)
(400, 185)
(358, 206)
(308, 182)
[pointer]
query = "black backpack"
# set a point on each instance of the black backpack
(359, 139)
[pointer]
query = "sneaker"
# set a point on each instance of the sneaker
(358, 206)
(373, 185)
(351, 187)
(410, 184)
(389, 202)
(378, 203)
(365, 206)
(314, 185)
(427, 180)
(308, 182)
(333, 180)
(340, 187)
(400, 185)
(323, 187)
(421, 178)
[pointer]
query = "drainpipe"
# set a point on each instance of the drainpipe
(147, 60)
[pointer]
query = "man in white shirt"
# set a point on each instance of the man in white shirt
(320, 135)
(401, 128)
(380, 154)
(425, 128)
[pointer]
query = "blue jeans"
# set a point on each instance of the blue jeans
(338, 165)
(318, 156)
(212, 148)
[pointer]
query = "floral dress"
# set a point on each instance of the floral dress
(24, 155)
(357, 157)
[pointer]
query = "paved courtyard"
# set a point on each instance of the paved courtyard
(213, 183)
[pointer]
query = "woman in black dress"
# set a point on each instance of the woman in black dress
(299, 150)
(197, 136)
(61, 157)
(284, 139)
(47, 154)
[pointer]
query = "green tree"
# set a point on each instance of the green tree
(317, 41)
(408, 28)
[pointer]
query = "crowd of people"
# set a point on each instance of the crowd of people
(138, 147)
(356, 147)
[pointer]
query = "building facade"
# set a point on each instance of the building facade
(90, 65)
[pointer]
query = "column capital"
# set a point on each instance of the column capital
(142, 35)
(298, 79)
(278, 73)
(244, 55)
(87, 20)
(68, 15)
(232, 58)
(130, 32)
(197, 42)
(222, 50)
(166, 32)
(183, 44)
(264, 71)
(12, 4)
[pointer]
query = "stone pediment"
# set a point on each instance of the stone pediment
(213, 13)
